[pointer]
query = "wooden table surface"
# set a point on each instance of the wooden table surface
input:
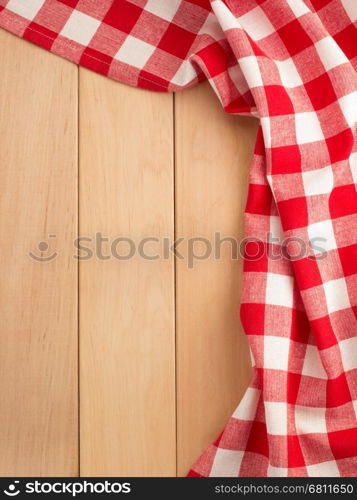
(115, 366)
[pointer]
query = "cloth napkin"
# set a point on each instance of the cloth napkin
(291, 63)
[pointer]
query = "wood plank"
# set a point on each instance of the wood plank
(213, 152)
(127, 339)
(38, 301)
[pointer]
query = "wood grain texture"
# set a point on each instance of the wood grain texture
(152, 396)
(38, 301)
(213, 152)
(127, 338)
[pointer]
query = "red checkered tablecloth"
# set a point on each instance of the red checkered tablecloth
(292, 64)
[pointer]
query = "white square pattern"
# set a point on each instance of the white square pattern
(225, 17)
(353, 165)
(298, 7)
(319, 181)
(355, 407)
(211, 28)
(226, 463)
(313, 366)
(251, 71)
(277, 471)
(348, 105)
(336, 295)
(238, 79)
(324, 469)
(276, 418)
(265, 123)
(348, 350)
(162, 8)
(275, 227)
(322, 237)
(276, 352)
(279, 290)
(80, 27)
(25, 8)
(330, 53)
(256, 24)
(308, 128)
(248, 406)
(309, 420)
(288, 73)
(186, 73)
(350, 7)
(134, 52)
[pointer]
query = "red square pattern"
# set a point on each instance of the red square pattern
(321, 91)
(255, 256)
(348, 257)
(258, 440)
(252, 317)
(122, 15)
(285, 160)
(39, 34)
(293, 213)
(337, 391)
(279, 102)
(323, 332)
(340, 145)
(259, 199)
(70, 3)
(343, 201)
(295, 456)
(92, 58)
(294, 37)
(177, 41)
(307, 273)
(343, 443)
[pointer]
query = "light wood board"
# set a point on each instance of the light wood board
(213, 152)
(127, 305)
(38, 301)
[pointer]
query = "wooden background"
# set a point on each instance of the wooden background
(114, 367)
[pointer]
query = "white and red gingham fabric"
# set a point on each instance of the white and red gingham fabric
(292, 64)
